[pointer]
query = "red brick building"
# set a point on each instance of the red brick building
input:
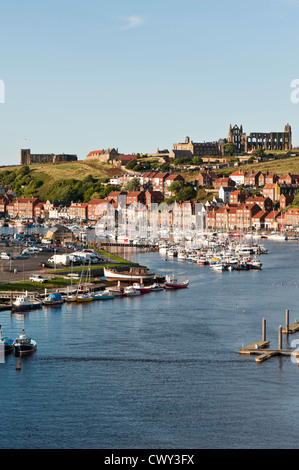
(22, 207)
(78, 210)
(133, 197)
(97, 208)
(153, 197)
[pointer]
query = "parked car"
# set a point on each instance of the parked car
(46, 264)
(31, 249)
(6, 256)
(23, 256)
(37, 278)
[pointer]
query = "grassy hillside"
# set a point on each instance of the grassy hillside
(59, 181)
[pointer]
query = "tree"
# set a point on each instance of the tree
(259, 153)
(186, 194)
(130, 165)
(132, 185)
(175, 187)
(197, 160)
(230, 148)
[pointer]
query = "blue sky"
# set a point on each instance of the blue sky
(138, 75)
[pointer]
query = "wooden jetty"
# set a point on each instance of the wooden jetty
(131, 245)
(261, 348)
(290, 329)
(10, 295)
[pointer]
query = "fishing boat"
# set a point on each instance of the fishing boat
(53, 299)
(254, 264)
(141, 287)
(6, 343)
(130, 291)
(24, 345)
(134, 272)
(23, 302)
(172, 283)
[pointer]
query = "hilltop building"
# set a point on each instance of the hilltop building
(260, 140)
(196, 149)
(104, 156)
(27, 158)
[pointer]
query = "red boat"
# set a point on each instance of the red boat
(142, 289)
(173, 284)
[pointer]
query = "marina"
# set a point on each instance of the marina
(149, 355)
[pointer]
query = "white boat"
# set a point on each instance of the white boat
(23, 302)
(163, 249)
(181, 255)
(277, 236)
(217, 266)
(130, 291)
(172, 253)
(156, 287)
(128, 273)
(254, 264)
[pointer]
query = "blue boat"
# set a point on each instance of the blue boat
(102, 296)
(24, 345)
(53, 299)
(7, 342)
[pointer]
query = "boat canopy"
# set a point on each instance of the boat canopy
(55, 296)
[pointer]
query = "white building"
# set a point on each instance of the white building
(238, 177)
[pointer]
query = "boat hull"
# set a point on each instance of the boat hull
(182, 285)
(103, 297)
(112, 275)
(23, 308)
(28, 348)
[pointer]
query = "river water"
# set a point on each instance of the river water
(160, 370)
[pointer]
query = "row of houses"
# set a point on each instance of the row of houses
(32, 208)
(256, 179)
(150, 181)
(243, 211)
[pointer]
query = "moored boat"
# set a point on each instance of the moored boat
(7, 343)
(172, 283)
(24, 345)
(53, 299)
(102, 296)
(141, 287)
(156, 287)
(84, 298)
(128, 273)
(23, 302)
(130, 291)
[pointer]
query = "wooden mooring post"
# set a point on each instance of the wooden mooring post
(290, 329)
(261, 348)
